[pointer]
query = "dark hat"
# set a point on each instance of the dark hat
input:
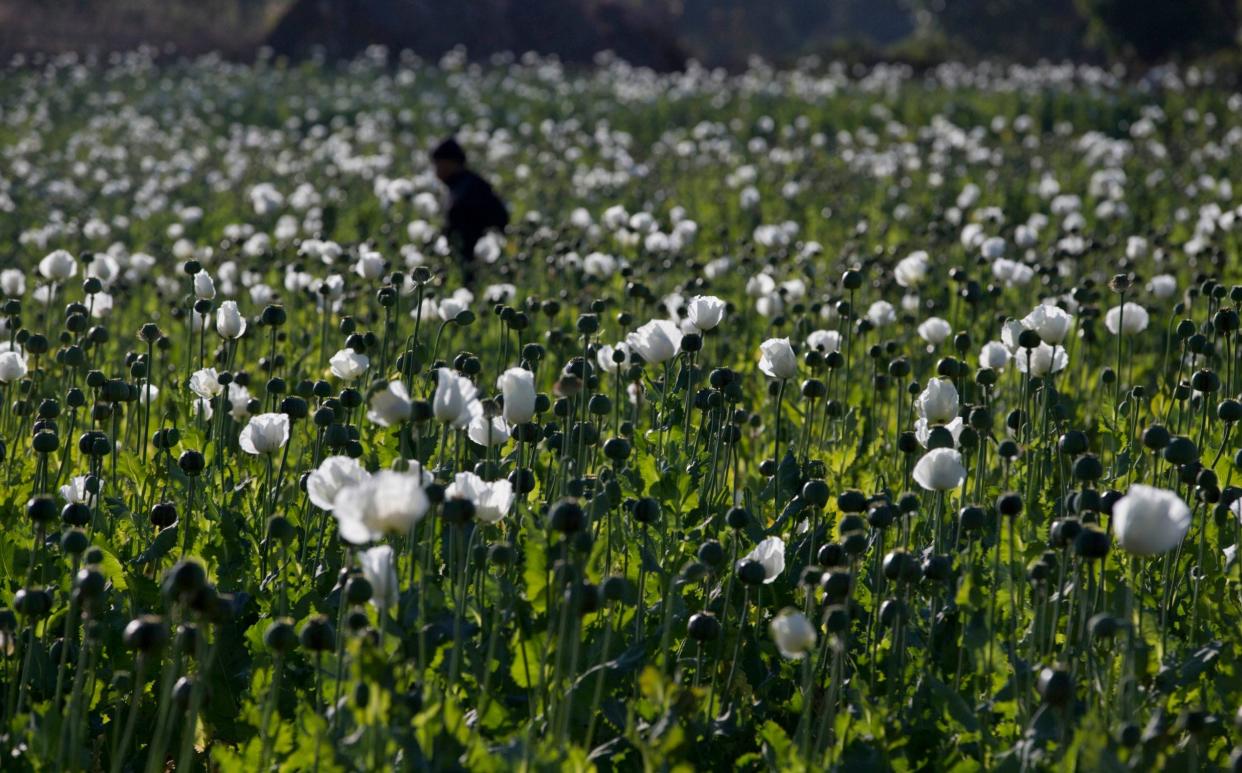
(449, 150)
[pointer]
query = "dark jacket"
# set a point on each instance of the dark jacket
(474, 209)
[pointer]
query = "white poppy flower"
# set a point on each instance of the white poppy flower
(771, 554)
(1148, 521)
(333, 474)
(264, 434)
(940, 470)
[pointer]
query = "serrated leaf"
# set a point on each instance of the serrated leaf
(163, 543)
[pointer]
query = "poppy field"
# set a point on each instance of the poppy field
(824, 418)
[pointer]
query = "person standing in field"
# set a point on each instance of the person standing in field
(473, 208)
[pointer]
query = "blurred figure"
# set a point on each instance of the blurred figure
(473, 209)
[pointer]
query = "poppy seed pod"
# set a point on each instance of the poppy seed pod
(162, 515)
(851, 501)
(280, 529)
(33, 603)
(522, 480)
(972, 518)
(1092, 543)
(294, 407)
(45, 427)
(948, 367)
(274, 316)
(75, 398)
(191, 462)
(41, 509)
(165, 439)
(980, 419)
(1225, 321)
(881, 516)
(937, 568)
(147, 633)
(1156, 437)
(94, 443)
(616, 588)
(836, 585)
(184, 580)
(851, 523)
(907, 443)
(280, 636)
(940, 437)
(692, 572)
(1205, 381)
(703, 626)
(1062, 532)
(810, 576)
(1088, 468)
(738, 518)
(813, 388)
(1107, 500)
(358, 590)
(501, 554)
(1180, 450)
(854, 543)
(1073, 442)
(89, 583)
(617, 449)
(750, 572)
(1129, 735)
(1229, 411)
(891, 610)
(566, 517)
(74, 542)
(1009, 504)
(815, 492)
(831, 554)
(900, 565)
(711, 553)
(1102, 627)
(1055, 686)
(458, 511)
(836, 618)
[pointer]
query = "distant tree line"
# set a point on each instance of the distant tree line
(1142, 32)
(656, 32)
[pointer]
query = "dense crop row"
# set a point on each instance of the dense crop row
(821, 418)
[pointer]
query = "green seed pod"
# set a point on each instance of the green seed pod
(147, 633)
(280, 636)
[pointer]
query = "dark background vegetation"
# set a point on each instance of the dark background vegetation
(659, 33)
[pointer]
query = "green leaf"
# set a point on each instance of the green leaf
(527, 655)
(1200, 662)
(163, 543)
(953, 703)
(535, 574)
(111, 568)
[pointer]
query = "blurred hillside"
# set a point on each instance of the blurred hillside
(573, 30)
(659, 33)
(233, 27)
